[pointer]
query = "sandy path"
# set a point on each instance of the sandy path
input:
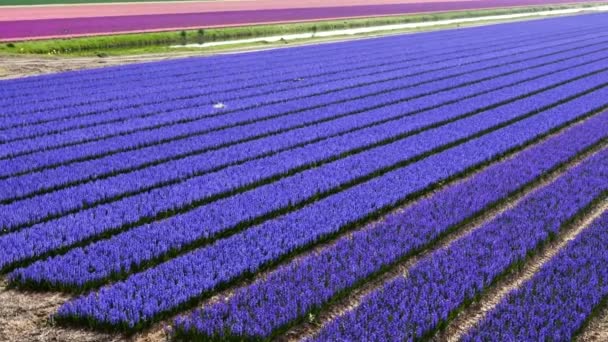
(597, 330)
(22, 66)
(124, 9)
(24, 317)
(68, 27)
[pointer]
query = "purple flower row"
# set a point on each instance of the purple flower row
(294, 290)
(222, 215)
(165, 287)
(258, 60)
(92, 122)
(190, 120)
(194, 96)
(90, 81)
(199, 85)
(31, 183)
(37, 182)
(555, 303)
(411, 307)
(76, 197)
(161, 113)
(220, 122)
(214, 66)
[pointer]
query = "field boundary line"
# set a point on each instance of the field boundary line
(331, 52)
(395, 27)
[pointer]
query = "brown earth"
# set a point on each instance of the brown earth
(597, 330)
(26, 316)
(22, 66)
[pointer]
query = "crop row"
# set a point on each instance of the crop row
(216, 67)
(296, 78)
(292, 101)
(93, 125)
(219, 209)
(76, 198)
(91, 151)
(230, 66)
(172, 161)
(555, 303)
(157, 201)
(294, 290)
(412, 306)
(268, 80)
(204, 97)
(164, 288)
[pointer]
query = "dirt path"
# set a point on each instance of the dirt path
(25, 317)
(597, 330)
(21, 66)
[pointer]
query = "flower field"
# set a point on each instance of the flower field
(27, 22)
(370, 190)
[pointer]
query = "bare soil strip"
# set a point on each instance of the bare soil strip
(22, 66)
(471, 316)
(25, 316)
(597, 329)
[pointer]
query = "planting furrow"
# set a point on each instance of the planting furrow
(196, 165)
(293, 77)
(163, 202)
(315, 280)
(413, 306)
(185, 110)
(217, 68)
(356, 101)
(172, 284)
